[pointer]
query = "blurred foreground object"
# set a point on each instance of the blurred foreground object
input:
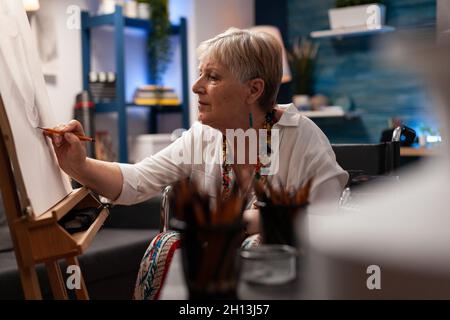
(397, 246)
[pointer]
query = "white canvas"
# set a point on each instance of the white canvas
(27, 104)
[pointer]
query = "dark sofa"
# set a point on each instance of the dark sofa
(111, 263)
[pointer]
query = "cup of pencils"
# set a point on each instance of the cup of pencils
(211, 236)
(279, 209)
(277, 259)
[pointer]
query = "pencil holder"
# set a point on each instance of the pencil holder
(210, 255)
(277, 223)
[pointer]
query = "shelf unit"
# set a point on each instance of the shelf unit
(351, 32)
(327, 112)
(332, 112)
(119, 22)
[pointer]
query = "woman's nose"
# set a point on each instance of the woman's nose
(197, 87)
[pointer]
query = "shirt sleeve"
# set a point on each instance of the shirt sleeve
(148, 177)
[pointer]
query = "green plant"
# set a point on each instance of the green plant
(158, 44)
(302, 58)
(348, 3)
(428, 130)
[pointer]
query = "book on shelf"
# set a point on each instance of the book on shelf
(156, 95)
(155, 101)
(152, 87)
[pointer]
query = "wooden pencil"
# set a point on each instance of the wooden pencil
(60, 133)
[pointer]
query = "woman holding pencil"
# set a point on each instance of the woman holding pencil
(239, 78)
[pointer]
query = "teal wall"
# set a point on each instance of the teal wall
(354, 67)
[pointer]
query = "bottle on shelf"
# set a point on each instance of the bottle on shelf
(102, 86)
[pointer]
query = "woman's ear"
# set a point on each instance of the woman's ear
(255, 90)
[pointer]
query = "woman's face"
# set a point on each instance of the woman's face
(221, 96)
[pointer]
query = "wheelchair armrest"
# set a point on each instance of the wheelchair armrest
(396, 134)
(165, 209)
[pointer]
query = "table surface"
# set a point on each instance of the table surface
(417, 152)
(332, 277)
(175, 287)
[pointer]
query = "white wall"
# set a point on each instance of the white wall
(63, 88)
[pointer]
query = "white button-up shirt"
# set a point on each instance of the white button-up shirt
(300, 151)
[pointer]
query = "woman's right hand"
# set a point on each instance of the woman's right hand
(70, 151)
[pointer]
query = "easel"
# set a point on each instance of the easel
(41, 239)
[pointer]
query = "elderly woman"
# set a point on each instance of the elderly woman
(239, 78)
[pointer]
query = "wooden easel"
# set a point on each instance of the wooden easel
(41, 239)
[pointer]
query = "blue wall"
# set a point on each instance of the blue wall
(354, 67)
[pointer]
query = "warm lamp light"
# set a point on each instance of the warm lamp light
(31, 5)
(276, 33)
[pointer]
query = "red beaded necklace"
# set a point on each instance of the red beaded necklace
(269, 121)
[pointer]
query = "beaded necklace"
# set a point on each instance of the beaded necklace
(269, 121)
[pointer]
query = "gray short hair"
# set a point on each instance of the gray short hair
(248, 55)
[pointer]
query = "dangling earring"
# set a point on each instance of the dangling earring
(250, 119)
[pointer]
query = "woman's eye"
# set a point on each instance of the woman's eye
(212, 77)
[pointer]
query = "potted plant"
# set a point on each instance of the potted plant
(158, 44)
(302, 58)
(357, 13)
